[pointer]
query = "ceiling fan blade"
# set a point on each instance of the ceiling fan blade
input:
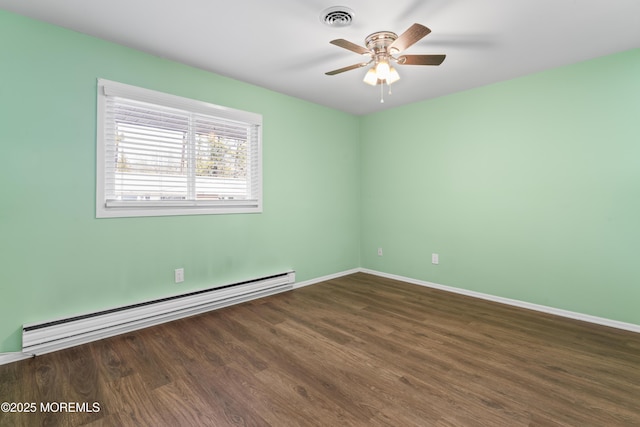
(421, 59)
(349, 68)
(409, 37)
(350, 46)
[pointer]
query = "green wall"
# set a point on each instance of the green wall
(528, 189)
(59, 260)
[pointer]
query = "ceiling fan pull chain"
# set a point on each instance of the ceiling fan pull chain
(382, 92)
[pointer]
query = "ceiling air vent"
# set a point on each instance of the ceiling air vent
(337, 16)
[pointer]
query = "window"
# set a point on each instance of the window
(160, 154)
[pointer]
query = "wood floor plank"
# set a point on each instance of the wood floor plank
(359, 350)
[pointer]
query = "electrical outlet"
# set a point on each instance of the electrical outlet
(379, 251)
(179, 275)
(435, 259)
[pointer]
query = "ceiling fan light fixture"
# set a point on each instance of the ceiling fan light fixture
(383, 69)
(371, 78)
(393, 76)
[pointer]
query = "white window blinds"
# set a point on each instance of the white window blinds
(166, 155)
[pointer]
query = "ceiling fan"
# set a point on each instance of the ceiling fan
(382, 49)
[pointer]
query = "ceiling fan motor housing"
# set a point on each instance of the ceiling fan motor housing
(379, 42)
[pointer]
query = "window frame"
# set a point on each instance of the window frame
(106, 88)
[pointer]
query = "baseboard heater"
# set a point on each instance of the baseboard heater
(45, 337)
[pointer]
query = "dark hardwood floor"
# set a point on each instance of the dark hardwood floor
(356, 351)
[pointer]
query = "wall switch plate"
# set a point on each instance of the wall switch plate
(179, 275)
(379, 251)
(435, 259)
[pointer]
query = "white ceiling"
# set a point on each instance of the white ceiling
(283, 45)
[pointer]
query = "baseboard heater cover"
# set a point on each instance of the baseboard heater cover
(45, 337)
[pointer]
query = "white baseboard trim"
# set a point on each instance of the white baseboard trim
(325, 278)
(6, 358)
(516, 303)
